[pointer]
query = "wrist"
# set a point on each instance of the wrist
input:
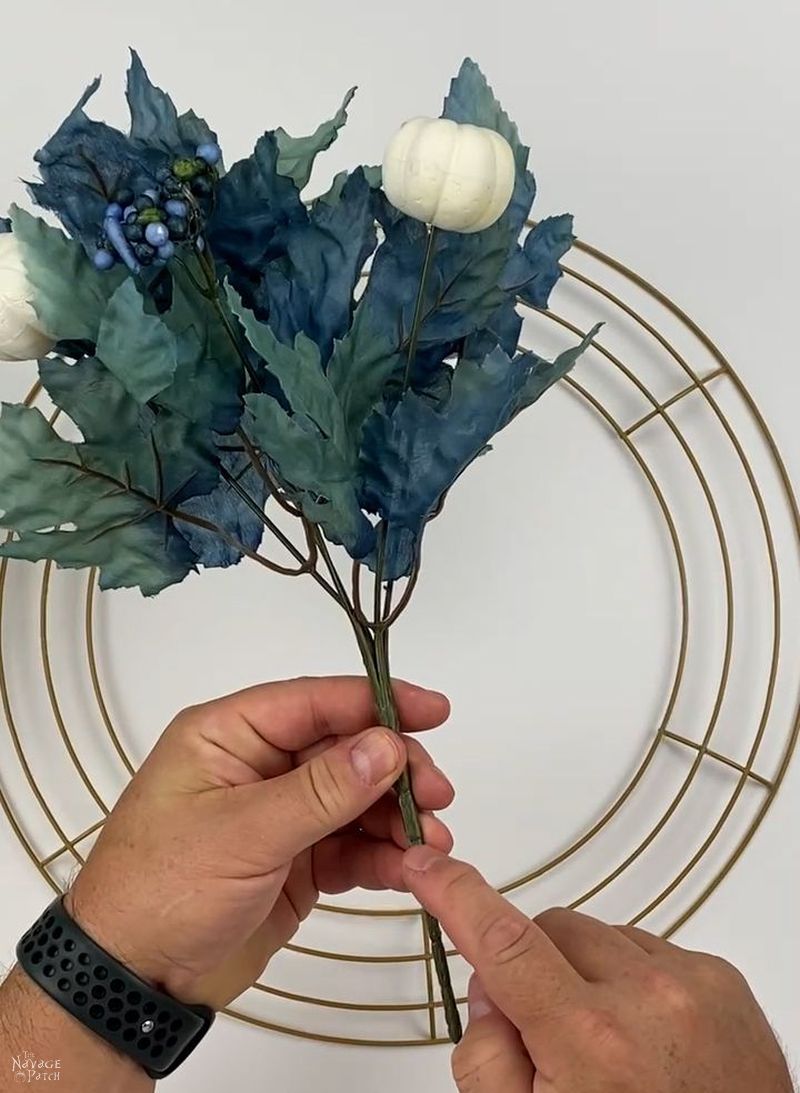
(109, 927)
(36, 1034)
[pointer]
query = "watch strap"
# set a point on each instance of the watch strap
(154, 1030)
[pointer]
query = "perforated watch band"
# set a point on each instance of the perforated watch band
(153, 1029)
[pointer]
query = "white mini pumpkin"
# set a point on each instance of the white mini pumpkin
(453, 176)
(21, 336)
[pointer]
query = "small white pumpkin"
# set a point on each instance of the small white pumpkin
(21, 336)
(453, 176)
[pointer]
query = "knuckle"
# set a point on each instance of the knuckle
(323, 791)
(599, 1032)
(507, 939)
(462, 880)
(669, 993)
(715, 971)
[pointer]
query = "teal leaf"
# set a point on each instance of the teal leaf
(317, 471)
(543, 374)
(122, 502)
(95, 400)
(70, 295)
(296, 155)
(162, 453)
(209, 378)
(298, 369)
(139, 348)
(362, 365)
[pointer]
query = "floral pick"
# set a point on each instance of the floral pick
(204, 330)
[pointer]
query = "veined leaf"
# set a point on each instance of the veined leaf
(120, 503)
(311, 288)
(412, 454)
(298, 369)
(225, 507)
(316, 471)
(533, 270)
(209, 379)
(84, 164)
(137, 346)
(70, 295)
(296, 155)
(154, 119)
(472, 101)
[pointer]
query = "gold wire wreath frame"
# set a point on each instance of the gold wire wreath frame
(703, 749)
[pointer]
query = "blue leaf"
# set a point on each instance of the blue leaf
(472, 101)
(295, 268)
(534, 269)
(255, 205)
(462, 288)
(225, 508)
(154, 119)
(413, 454)
(83, 165)
(503, 328)
(155, 122)
(311, 291)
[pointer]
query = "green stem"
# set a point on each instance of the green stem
(213, 294)
(375, 654)
(388, 714)
(417, 321)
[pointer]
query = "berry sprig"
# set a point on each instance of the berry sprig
(145, 229)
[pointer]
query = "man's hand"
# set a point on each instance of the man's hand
(565, 1004)
(245, 810)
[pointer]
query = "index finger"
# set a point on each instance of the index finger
(295, 713)
(523, 972)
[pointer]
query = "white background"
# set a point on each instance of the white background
(669, 129)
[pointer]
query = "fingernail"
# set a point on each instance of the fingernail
(428, 691)
(478, 1001)
(375, 756)
(419, 859)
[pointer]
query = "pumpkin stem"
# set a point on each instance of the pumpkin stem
(417, 321)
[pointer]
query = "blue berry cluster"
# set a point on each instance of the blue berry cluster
(145, 229)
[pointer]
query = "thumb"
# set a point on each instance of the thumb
(290, 813)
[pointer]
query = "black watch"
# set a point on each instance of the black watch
(153, 1029)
